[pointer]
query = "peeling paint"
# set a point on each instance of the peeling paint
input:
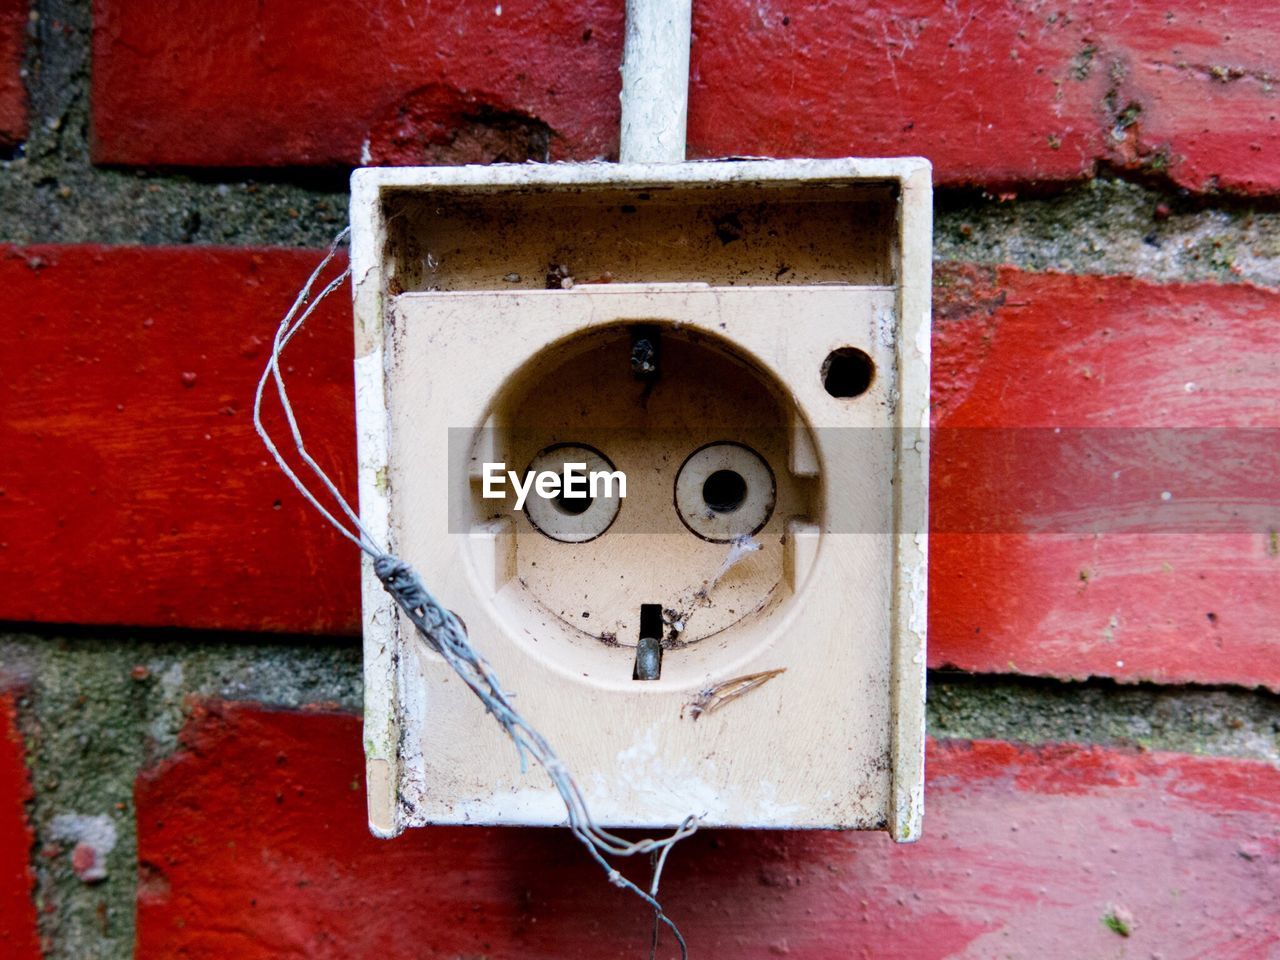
(94, 837)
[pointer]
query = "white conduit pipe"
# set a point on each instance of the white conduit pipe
(655, 81)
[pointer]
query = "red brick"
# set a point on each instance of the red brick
(1114, 356)
(252, 844)
(17, 910)
(13, 91)
(994, 94)
(239, 83)
(144, 501)
(134, 489)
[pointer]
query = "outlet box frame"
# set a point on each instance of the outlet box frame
(387, 709)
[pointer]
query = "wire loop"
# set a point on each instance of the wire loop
(440, 629)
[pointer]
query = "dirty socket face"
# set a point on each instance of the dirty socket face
(703, 441)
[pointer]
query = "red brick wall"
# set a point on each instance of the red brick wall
(92, 478)
(133, 493)
(1028, 851)
(13, 94)
(995, 94)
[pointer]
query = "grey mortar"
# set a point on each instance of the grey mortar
(1112, 226)
(1210, 721)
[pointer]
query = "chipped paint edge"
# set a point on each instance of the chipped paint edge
(378, 616)
(911, 520)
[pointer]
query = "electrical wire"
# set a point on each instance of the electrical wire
(440, 629)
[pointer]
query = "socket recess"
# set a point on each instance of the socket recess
(742, 635)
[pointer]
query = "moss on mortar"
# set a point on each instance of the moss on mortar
(97, 710)
(1197, 720)
(1110, 225)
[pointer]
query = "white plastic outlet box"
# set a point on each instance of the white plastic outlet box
(748, 343)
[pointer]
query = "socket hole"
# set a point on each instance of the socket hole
(572, 506)
(847, 372)
(648, 665)
(651, 620)
(724, 491)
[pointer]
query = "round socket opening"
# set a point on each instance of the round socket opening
(570, 519)
(724, 491)
(847, 372)
(572, 506)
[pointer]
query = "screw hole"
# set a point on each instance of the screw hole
(847, 372)
(724, 491)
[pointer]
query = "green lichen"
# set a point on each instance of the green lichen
(1082, 62)
(1115, 924)
(1157, 161)
(1128, 116)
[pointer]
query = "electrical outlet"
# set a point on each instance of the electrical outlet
(745, 345)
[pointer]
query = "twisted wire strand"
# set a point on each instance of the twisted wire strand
(440, 629)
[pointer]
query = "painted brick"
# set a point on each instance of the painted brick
(999, 93)
(13, 91)
(17, 910)
(159, 495)
(252, 844)
(134, 489)
(994, 94)
(327, 82)
(1125, 360)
